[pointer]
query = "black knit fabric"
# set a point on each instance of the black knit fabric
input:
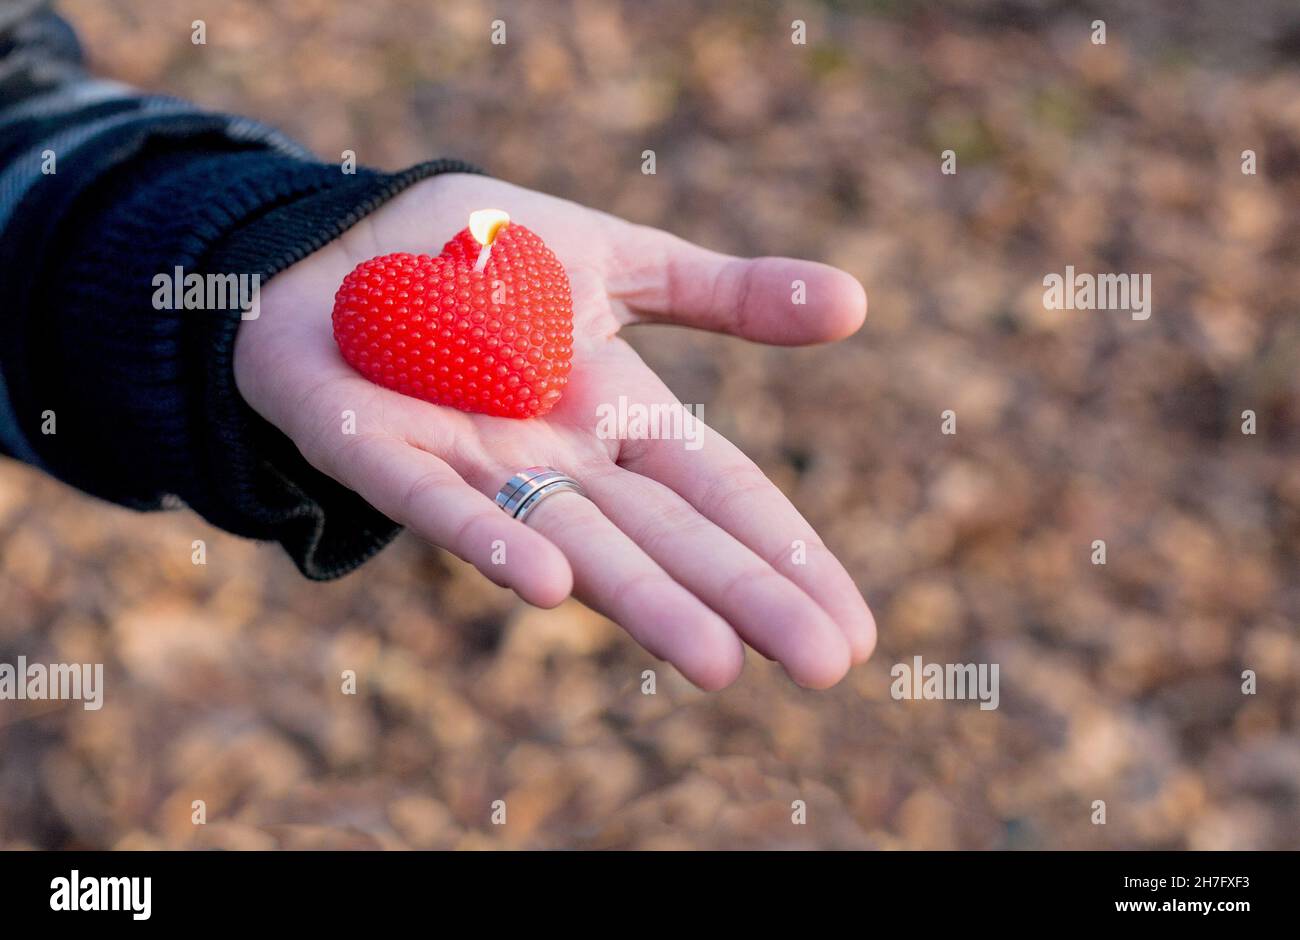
(145, 399)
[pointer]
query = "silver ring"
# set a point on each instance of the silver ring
(526, 489)
(514, 485)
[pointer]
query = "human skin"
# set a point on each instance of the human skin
(690, 551)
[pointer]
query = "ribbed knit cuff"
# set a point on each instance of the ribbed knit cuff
(146, 399)
(327, 529)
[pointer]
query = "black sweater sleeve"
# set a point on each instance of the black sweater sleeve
(136, 404)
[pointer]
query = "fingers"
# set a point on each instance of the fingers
(566, 546)
(614, 576)
(662, 278)
(770, 612)
(727, 488)
(418, 490)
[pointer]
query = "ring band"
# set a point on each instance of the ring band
(557, 486)
(523, 483)
(522, 493)
(506, 496)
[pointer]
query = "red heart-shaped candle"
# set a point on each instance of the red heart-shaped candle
(486, 326)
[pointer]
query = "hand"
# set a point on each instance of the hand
(689, 550)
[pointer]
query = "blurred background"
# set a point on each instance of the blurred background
(1119, 683)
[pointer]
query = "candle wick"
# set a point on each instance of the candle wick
(483, 255)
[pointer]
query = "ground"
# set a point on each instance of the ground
(1120, 683)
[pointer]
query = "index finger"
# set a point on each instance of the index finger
(727, 487)
(730, 490)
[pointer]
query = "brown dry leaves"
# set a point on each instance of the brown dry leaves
(1119, 683)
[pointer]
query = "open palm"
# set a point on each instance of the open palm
(691, 551)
